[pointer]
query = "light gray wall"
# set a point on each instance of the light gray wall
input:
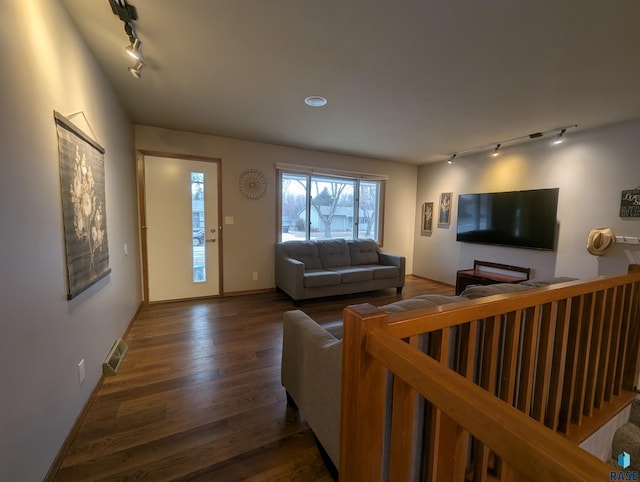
(591, 169)
(248, 243)
(600, 443)
(46, 67)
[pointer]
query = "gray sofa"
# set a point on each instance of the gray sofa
(327, 267)
(312, 358)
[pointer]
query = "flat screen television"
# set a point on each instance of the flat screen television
(524, 219)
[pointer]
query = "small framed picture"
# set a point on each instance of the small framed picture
(444, 208)
(630, 203)
(426, 225)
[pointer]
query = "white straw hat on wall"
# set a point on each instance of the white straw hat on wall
(600, 239)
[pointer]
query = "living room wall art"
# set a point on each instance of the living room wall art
(252, 184)
(444, 209)
(83, 207)
(630, 203)
(427, 219)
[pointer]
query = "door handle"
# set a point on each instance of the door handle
(212, 240)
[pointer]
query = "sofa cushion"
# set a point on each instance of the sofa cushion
(317, 278)
(334, 253)
(419, 302)
(336, 328)
(305, 252)
(384, 272)
(363, 251)
(479, 291)
(350, 274)
(536, 283)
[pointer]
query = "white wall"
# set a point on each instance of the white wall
(591, 169)
(46, 67)
(600, 443)
(248, 244)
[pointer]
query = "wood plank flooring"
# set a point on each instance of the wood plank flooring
(198, 396)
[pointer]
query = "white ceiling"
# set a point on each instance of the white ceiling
(410, 80)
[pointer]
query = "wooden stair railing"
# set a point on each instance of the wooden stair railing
(499, 375)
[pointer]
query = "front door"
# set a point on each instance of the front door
(182, 228)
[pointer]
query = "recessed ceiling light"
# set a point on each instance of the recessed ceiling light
(315, 101)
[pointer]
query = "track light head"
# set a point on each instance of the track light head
(451, 158)
(136, 71)
(495, 151)
(133, 50)
(559, 137)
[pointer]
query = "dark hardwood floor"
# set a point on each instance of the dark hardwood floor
(198, 396)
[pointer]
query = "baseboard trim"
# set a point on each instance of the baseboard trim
(133, 318)
(250, 292)
(225, 294)
(66, 445)
(430, 279)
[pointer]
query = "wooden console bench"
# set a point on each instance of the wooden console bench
(478, 276)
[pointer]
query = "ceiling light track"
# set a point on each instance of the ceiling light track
(560, 131)
(128, 14)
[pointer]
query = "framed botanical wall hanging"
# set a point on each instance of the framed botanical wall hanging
(444, 209)
(426, 226)
(83, 207)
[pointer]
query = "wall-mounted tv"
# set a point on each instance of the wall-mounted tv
(524, 219)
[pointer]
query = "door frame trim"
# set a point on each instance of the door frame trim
(142, 212)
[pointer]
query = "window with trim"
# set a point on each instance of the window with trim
(327, 205)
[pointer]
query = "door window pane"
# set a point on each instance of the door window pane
(197, 227)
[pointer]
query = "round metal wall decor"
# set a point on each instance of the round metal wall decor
(252, 184)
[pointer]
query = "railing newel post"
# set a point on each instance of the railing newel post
(362, 404)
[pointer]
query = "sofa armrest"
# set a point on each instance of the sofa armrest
(311, 374)
(290, 276)
(394, 260)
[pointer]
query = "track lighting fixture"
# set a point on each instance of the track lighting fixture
(123, 10)
(559, 138)
(136, 71)
(134, 49)
(128, 14)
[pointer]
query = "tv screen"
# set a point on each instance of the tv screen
(525, 219)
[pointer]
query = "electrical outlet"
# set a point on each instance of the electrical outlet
(255, 276)
(81, 371)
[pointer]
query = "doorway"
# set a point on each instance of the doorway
(181, 232)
